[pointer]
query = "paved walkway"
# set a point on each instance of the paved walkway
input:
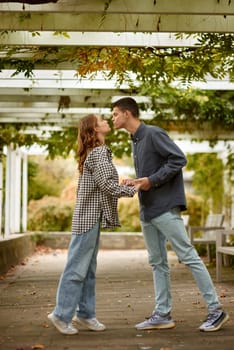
(124, 297)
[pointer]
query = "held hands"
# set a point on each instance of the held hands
(142, 183)
(131, 182)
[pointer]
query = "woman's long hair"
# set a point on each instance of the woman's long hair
(87, 138)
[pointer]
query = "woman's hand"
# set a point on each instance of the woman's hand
(128, 182)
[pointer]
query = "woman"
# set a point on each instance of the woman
(96, 205)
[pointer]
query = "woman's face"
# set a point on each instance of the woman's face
(102, 126)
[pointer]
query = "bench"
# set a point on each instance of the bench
(185, 218)
(207, 232)
(222, 249)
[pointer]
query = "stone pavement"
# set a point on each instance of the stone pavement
(124, 297)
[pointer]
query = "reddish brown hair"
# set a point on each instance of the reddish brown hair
(87, 138)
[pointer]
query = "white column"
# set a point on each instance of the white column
(24, 192)
(228, 192)
(7, 192)
(13, 191)
(1, 188)
(16, 179)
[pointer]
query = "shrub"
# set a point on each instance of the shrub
(50, 214)
(55, 213)
(49, 177)
(129, 215)
(195, 205)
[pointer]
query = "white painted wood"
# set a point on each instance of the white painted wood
(195, 7)
(96, 39)
(1, 197)
(24, 192)
(119, 22)
(7, 193)
(16, 178)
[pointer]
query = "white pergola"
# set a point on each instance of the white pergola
(130, 23)
(87, 23)
(120, 16)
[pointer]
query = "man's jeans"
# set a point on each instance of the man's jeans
(77, 283)
(169, 226)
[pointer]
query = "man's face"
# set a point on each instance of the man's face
(119, 118)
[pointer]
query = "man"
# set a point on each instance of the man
(158, 164)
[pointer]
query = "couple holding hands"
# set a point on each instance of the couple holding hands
(158, 163)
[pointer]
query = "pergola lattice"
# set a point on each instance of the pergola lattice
(86, 22)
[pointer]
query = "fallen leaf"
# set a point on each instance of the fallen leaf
(45, 325)
(38, 346)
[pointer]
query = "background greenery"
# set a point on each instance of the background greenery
(150, 71)
(53, 185)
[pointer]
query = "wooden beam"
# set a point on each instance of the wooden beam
(197, 7)
(63, 22)
(96, 39)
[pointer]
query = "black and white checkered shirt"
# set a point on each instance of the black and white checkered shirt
(98, 192)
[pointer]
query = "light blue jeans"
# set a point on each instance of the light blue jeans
(169, 226)
(76, 289)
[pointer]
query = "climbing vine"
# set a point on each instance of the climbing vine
(149, 71)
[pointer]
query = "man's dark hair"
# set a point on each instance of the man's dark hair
(127, 103)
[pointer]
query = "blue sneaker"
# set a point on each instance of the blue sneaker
(156, 321)
(214, 321)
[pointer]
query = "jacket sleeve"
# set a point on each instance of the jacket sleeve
(173, 159)
(106, 177)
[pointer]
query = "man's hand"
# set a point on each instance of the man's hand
(143, 182)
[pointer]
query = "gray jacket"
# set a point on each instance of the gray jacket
(157, 157)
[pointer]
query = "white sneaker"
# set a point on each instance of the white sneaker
(62, 327)
(90, 323)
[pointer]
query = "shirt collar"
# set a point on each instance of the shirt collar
(139, 133)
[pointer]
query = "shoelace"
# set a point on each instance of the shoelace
(69, 326)
(95, 322)
(153, 317)
(212, 316)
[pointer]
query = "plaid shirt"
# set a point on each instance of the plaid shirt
(98, 192)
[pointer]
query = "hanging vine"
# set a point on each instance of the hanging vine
(149, 71)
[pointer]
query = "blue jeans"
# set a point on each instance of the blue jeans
(169, 226)
(76, 289)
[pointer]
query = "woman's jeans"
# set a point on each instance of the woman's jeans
(169, 226)
(76, 289)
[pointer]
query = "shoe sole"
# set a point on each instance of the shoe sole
(158, 326)
(50, 317)
(226, 318)
(87, 326)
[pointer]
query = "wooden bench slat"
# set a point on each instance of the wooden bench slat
(221, 248)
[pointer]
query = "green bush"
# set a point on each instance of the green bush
(128, 209)
(55, 214)
(195, 210)
(50, 214)
(48, 177)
